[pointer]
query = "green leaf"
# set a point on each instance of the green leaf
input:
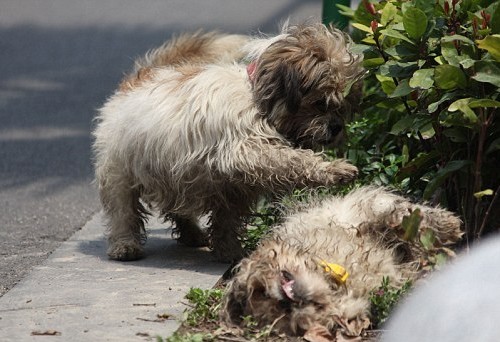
(434, 106)
(402, 89)
(467, 63)
(494, 146)
(418, 165)
(411, 224)
(373, 62)
(450, 54)
(345, 11)
(403, 125)
(362, 27)
(487, 72)
(455, 134)
(463, 106)
(484, 103)
(495, 19)
(403, 50)
(369, 40)
(387, 83)
(440, 60)
(449, 77)
(415, 22)
(398, 69)
(427, 131)
(362, 16)
(426, 6)
(480, 194)
(442, 174)
(463, 39)
(389, 13)
(395, 34)
(360, 48)
(422, 78)
(428, 239)
(491, 44)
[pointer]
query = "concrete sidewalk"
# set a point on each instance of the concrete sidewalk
(78, 294)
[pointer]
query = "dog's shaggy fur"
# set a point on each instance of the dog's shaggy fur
(283, 283)
(195, 130)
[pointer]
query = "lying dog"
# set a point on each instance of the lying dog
(314, 273)
(207, 123)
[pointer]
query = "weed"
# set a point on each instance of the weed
(384, 298)
(205, 305)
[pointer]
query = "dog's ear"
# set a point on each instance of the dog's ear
(273, 254)
(291, 87)
(233, 308)
(279, 84)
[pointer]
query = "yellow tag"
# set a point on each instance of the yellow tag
(336, 271)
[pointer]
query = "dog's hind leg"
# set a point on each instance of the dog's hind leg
(381, 210)
(126, 234)
(189, 232)
(224, 234)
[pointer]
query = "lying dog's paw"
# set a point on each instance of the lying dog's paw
(341, 171)
(125, 251)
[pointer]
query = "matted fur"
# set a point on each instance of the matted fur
(281, 283)
(191, 132)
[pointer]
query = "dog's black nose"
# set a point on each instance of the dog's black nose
(335, 128)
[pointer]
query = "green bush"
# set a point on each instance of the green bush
(429, 122)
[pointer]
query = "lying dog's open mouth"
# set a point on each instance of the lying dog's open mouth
(287, 285)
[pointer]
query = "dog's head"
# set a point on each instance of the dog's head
(300, 84)
(282, 286)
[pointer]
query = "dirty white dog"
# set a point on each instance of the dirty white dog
(208, 122)
(314, 273)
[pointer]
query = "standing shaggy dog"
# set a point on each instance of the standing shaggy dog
(194, 130)
(314, 273)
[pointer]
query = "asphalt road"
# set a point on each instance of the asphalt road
(59, 60)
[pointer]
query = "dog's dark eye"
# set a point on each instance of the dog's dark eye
(319, 306)
(321, 105)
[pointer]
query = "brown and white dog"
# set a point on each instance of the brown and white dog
(209, 122)
(314, 273)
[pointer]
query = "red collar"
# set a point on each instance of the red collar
(251, 68)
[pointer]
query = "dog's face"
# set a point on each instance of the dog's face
(278, 286)
(300, 83)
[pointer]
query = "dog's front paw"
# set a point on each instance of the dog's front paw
(341, 172)
(125, 251)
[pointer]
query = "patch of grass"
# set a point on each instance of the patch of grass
(205, 305)
(187, 337)
(384, 298)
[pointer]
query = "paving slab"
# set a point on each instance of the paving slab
(78, 294)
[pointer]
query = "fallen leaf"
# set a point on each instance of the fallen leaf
(164, 316)
(156, 320)
(340, 337)
(46, 333)
(318, 333)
